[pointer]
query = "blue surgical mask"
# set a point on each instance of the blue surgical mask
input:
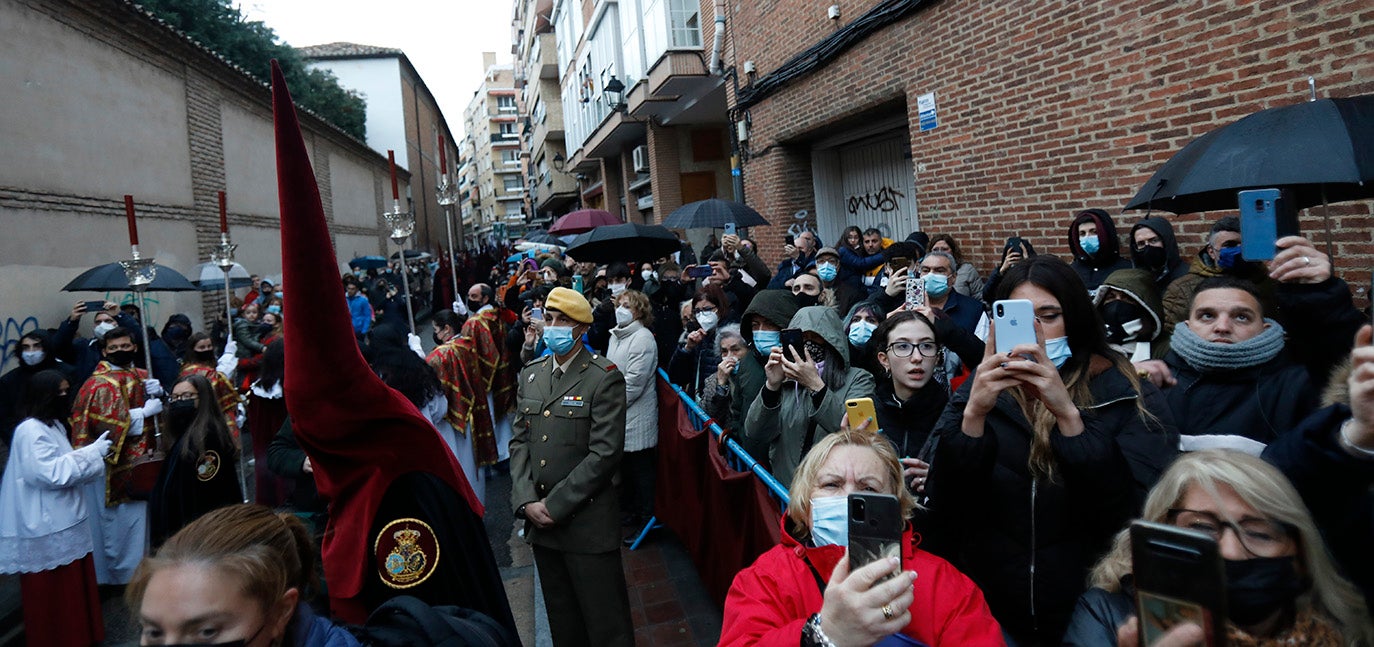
(1089, 244)
(830, 521)
(937, 285)
(860, 331)
(1058, 350)
(559, 339)
(827, 271)
(274, 309)
(1228, 257)
(277, 294)
(765, 341)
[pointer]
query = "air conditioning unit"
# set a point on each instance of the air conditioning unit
(641, 159)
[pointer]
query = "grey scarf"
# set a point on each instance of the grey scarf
(1208, 356)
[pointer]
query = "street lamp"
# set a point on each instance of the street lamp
(559, 162)
(614, 94)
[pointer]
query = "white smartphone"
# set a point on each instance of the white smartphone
(1013, 323)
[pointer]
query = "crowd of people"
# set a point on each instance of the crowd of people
(1220, 394)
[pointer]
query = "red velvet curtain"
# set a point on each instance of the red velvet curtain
(724, 518)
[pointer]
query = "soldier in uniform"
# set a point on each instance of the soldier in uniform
(565, 454)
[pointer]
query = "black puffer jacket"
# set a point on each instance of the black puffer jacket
(1259, 402)
(1029, 543)
(1097, 616)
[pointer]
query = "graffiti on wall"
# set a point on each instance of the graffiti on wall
(884, 200)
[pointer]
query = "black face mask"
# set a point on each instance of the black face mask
(1116, 314)
(437, 340)
(1258, 588)
(207, 357)
(181, 414)
(124, 358)
(804, 300)
(1150, 257)
(474, 306)
(264, 328)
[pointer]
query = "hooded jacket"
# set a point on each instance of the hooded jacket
(770, 601)
(1174, 265)
(1094, 268)
(1138, 286)
(790, 421)
(14, 384)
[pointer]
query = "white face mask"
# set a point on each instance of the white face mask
(32, 357)
(707, 320)
(648, 275)
(623, 316)
(102, 328)
(617, 288)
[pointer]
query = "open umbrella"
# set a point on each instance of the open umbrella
(629, 242)
(368, 263)
(543, 237)
(1320, 150)
(713, 214)
(110, 277)
(208, 277)
(412, 255)
(582, 221)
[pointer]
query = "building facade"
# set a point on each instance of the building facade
(986, 120)
(551, 190)
(491, 157)
(403, 116)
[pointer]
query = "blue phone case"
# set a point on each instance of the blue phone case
(1259, 225)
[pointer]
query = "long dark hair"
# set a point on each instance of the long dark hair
(43, 402)
(844, 239)
(399, 367)
(208, 423)
(191, 356)
(273, 367)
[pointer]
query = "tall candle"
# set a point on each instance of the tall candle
(129, 214)
(395, 188)
(223, 215)
(443, 157)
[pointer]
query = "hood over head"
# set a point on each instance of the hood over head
(824, 321)
(1110, 250)
(1139, 286)
(1165, 231)
(775, 306)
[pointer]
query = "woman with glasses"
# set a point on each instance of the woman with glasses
(1281, 587)
(907, 398)
(1054, 445)
(696, 356)
(201, 471)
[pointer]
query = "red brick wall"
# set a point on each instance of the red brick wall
(1048, 107)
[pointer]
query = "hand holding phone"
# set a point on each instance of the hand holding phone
(1179, 579)
(793, 344)
(875, 530)
(1266, 215)
(729, 229)
(860, 412)
(1013, 323)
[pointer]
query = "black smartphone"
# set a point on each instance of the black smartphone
(700, 272)
(94, 306)
(875, 530)
(1179, 577)
(1266, 215)
(789, 240)
(792, 343)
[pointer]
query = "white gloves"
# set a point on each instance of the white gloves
(229, 360)
(153, 388)
(102, 445)
(150, 408)
(413, 341)
(459, 307)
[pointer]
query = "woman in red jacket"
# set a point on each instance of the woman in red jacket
(802, 589)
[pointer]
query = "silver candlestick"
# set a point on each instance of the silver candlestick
(140, 272)
(448, 196)
(402, 225)
(223, 256)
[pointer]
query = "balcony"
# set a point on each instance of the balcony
(505, 139)
(545, 56)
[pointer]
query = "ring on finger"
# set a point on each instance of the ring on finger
(1307, 260)
(887, 612)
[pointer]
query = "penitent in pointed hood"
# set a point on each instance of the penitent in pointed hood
(359, 433)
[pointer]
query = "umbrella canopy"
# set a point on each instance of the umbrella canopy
(713, 214)
(582, 221)
(208, 277)
(543, 237)
(629, 242)
(368, 263)
(1307, 148)
(412, 255)
(110, 277)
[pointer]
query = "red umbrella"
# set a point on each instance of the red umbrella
(583, 221)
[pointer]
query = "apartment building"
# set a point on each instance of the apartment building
(491, 161)
(552, 190)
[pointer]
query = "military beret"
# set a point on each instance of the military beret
(571, 303)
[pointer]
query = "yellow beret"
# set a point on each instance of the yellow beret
(571, 303)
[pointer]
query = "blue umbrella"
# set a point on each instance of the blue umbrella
(368, 263)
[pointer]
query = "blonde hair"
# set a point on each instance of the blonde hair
(639, 304)
(804, 481)
(1263, 487)
(269, 553)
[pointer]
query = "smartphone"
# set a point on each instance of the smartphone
(1013, 323)
(857, 410)
(915, 289)
(792, 343)
(729, 229)
(577, 283)
(789, 240)
(536, 314)
(1179, 577)
(1266, 215)
(94, 306)
(875, 530)
(700, 272)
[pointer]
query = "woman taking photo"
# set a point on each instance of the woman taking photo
(201, 472)
(1055, 444)
(43, 509)
(695, 358)
(634, 351)
(1281, 587)
(802, 591)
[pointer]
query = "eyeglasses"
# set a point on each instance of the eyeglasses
(1259, 537)
(904, 349)
(184, 397)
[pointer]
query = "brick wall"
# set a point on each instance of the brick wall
(1048, 107)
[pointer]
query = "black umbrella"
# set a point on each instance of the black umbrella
(629, 242)
(110, 277)
(543, 237)
(713, 214)
(1322, 151)
(411, 255)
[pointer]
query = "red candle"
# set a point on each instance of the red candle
(223, 215)
(395, 188)
(443, 157)
(129, 214)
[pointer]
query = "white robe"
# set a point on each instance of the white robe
(459, 444)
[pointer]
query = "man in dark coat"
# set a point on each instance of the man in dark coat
(1154, 248)
(1095, 247)
(34, 353)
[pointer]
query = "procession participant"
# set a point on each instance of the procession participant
(453, 360)
(201, 360)
(118, 399)
(402, 518)
(201, 470)
(487, 330)
(566, 453)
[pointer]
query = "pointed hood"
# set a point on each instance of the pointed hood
(359, 433)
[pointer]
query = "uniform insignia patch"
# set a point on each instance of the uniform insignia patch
(207, 467)
(406, 552)
(573, 401)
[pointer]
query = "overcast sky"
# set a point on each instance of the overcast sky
(444, 39)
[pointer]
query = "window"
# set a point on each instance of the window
(512, 183)
(510, 157)
(514, 209)
(505, 103)
(684, 23)
(508, 129)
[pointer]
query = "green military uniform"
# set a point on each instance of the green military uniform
(569, 434)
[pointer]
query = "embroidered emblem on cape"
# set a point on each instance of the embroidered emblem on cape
(208, 466)
(407, 552)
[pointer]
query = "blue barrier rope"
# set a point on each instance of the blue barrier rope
(775, 487)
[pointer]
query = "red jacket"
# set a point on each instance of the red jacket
(770, 601)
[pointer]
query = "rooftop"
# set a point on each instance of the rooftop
(347, 50)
